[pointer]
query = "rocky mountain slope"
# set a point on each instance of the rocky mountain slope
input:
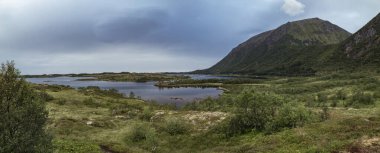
(364, 43)
(364, 46)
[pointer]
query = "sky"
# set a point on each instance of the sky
(85, 36)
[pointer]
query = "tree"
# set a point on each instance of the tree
(22, 115)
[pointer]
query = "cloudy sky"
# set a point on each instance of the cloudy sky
(73, 36)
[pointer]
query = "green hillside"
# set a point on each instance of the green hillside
(285, 50)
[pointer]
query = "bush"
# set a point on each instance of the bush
(321, 99)
(324, 115)
(143, 134)
(265, 112)
(254, 111)
(95, 90)
(340, 95)
(53, 88)
(376, 94)
(360, 98)
(290, 115)
(222, 103)
(371, 86)
(147, 114)
(175, 126)
(45, 96)
(91, 102)
(61, 101)
(139, 132)
(235, 125)
(128, 111)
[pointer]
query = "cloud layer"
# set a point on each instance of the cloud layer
(51, 36)
(293, 7)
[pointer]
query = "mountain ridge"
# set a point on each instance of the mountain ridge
(275, 49)
(359, 52)
(367, 38)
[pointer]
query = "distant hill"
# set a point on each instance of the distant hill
(293, 48)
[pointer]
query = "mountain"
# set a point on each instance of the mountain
(364, 43)
(285, 50)
(362, 49)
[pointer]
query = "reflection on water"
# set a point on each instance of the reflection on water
(146, 91)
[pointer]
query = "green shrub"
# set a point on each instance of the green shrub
(370, 86)
(290, 115)
(258, 108)
(91, 102)
(376, 94)
(235, 125)
(128, 111)
(146, 114)
(254, 111)
(61, 101)
(53, 88)
(265, 112)
(138, 133)
(321, 98)
(95, 90)
(324, 115)
(222, 103)
(144, 135)
(45, 96)
(175, 126)
(360, 98)
(341, 95)
(287, 117)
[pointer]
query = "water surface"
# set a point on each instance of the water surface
(205, 77)
(146, 91)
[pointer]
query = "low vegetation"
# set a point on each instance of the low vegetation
(327, 113)
(207, 83)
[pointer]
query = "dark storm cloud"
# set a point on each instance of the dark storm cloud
(188, 26)
(44, 26)
(192, 26)
(137, 26)
(159, 35)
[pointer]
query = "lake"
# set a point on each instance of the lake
(146, 90)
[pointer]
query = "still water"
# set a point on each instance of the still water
(146, 90)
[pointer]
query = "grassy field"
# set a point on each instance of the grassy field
(90, 120)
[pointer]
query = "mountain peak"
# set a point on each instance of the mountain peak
(315, 19)
(305, 47)
(271, 49)
(313, 31)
